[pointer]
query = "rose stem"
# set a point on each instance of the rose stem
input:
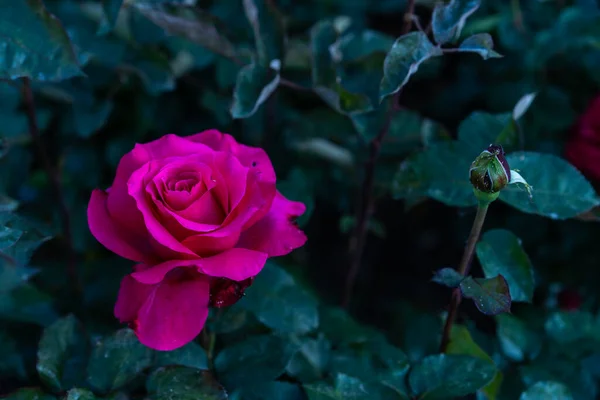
(366, 202)
(463, 269)
(53, 175)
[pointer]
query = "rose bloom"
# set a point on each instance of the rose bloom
(200, 215)
(583, 148)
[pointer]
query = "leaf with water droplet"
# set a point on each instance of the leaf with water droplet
(500, 253)
(491, 296)
(403, 60)
(448, 277)
(547, 390)
(445, 376)
(34, 44)
(183, 383)
(561, 191)
(62, 354)
(448, 20)
(116, 360)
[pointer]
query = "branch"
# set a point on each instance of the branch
(367, 202)
(463, 269)
(54, 178)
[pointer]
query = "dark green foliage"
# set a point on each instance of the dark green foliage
(315, 84)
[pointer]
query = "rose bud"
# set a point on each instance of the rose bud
(490, 173)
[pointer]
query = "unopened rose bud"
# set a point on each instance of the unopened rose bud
(490, 173)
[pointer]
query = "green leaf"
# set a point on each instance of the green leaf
(440, 172)
(42, 51)
(279, 303)
(80, 394)
(257, 359)
(500, 253)
(339, 327)
(116, 360)
(569, 327)
(559, 190)
(298, 187)
(33, 236)
(191, 355)
(12, 362)
(61, 354)
(517, 341)
(354, 47)
(309, 363)
(276, 390)
(191, 23)
(254, 84)
(462, 343)
(403, 60)
(448, 277)
(325, 80)
(29, 394)
(184, 383)
(269, 30)
(344, 387)
(547, 390)
(480, 129)
(444, 376)
(482, 44)
(491, 295)
(111, 10)
(448, 20)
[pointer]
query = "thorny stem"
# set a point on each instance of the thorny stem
(463, 269)
(366, 204)
(54, 178)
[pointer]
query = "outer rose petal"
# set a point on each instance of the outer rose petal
(276, 234)
(234, 264)
(112, 236)
(168, 315)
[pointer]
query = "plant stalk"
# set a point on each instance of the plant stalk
(366, 204)
(53, 176)
(463, 269)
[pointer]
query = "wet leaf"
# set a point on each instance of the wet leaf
(491, 296)
(500, 253)
(184, 383)
(448, 20)
(481, 44)
(403, 60)
(448, 277)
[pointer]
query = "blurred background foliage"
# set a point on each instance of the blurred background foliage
(301, 80)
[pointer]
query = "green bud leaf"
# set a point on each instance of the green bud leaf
(448, 277)
(491, 296)
(403, 60)
(481, 44)
(448, 20)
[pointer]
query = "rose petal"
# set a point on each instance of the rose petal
(152, 274)
(169, 314)
(236, 264)
(136, 186)
(120, 204)
(276, 234)
(110, 234)
(584, 156)
(251, 157)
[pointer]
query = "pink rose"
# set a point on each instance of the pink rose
(583, 148)
(200, 215)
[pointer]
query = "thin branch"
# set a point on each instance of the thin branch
(54, 178)
(366, 204)
(463, 269)
(292, 85)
